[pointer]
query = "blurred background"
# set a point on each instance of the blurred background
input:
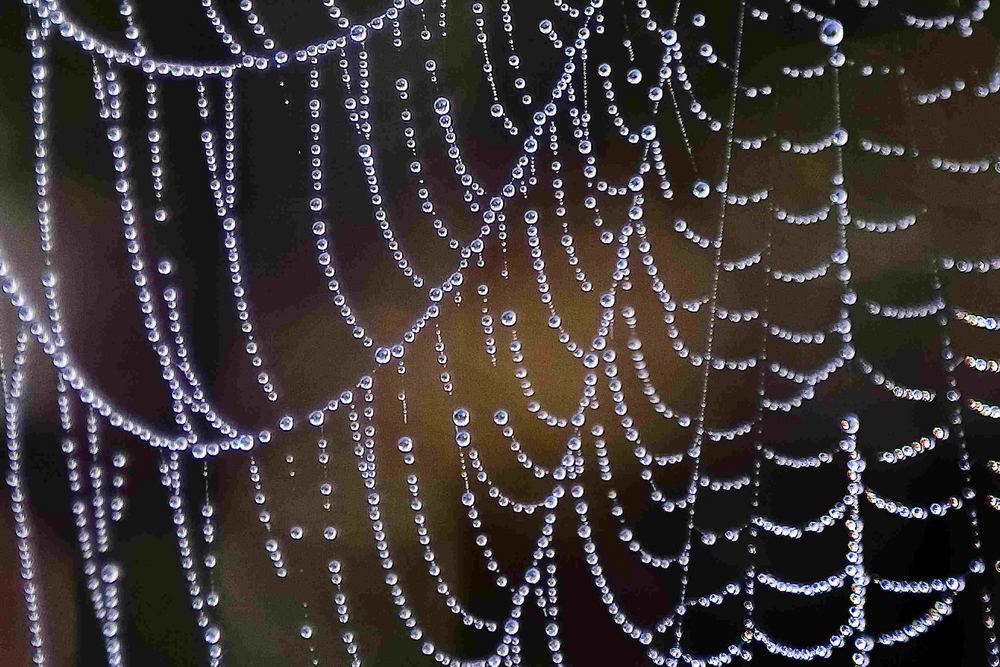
(312, 355)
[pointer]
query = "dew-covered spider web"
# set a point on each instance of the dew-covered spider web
(601, 332)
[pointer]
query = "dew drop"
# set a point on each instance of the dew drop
(110, 573)
(442, 106)
(831, 32)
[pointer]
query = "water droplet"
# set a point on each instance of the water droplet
(831, 32)
(850, 424)
(110, 573)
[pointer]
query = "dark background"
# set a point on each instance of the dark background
(313, 355)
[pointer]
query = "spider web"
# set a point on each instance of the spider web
(677, 315)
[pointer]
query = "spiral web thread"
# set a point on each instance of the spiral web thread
(618, 378)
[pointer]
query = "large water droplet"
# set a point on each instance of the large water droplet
(831, 32)
(110, 573)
